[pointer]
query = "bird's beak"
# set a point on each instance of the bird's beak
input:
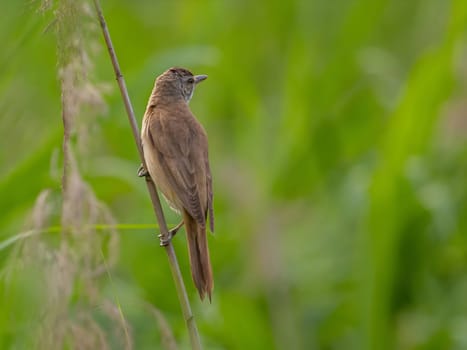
(200, 78)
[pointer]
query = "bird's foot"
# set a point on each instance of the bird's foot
(164, 241)
(172, 232)
(142, 171)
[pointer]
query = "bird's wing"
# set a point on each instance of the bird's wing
(181, 145)
(210, 193)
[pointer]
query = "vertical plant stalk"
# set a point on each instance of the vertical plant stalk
(173, 262)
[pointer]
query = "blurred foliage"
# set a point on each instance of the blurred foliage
(338, 147)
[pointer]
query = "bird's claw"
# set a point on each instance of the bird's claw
(171, 233)
(164, 241)
(142, 171)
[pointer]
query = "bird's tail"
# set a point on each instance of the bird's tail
(199, 256)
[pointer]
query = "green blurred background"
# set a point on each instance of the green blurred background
(337, 137)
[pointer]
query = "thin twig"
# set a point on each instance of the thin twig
(174, 267)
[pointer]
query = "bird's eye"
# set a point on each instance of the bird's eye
(191, 80)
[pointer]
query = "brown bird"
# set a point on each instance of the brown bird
(175, 147)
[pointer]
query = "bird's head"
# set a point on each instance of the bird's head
(179, 81)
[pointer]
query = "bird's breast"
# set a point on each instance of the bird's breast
(156, 169)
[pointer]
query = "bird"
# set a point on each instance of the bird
(175, 149)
